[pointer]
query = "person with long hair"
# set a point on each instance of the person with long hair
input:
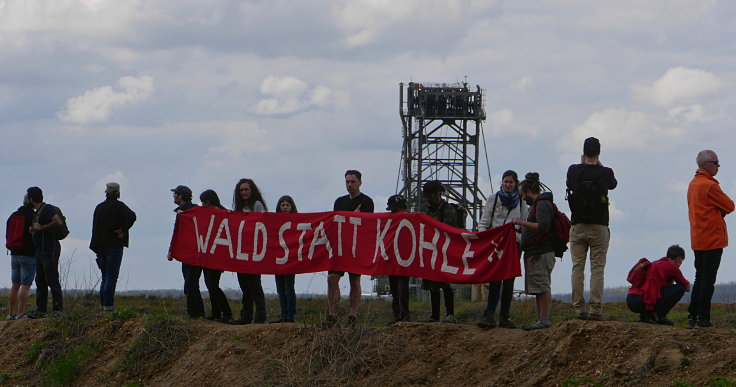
(220, 306)
(539, 255)
(247, 198)
(285, 282)
(500, 208)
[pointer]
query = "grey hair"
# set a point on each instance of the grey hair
(703, 156)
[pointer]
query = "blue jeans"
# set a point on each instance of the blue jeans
(706, 269)
(287, 295)
(23, 269)
(195, 305)
(109, 260)
(669, 297)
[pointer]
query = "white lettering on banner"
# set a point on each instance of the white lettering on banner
(495, 252)
(303, 227)
(202, 243)
(227, 241)
(355, 222)
(467, 253)
(260, 229)
(432, 246)
(320, 238)
(379, 240)
(405, 224)
(339, 219)
(240, 254)
(445, 266)
(282, 242)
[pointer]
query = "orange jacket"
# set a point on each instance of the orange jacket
(707, 206)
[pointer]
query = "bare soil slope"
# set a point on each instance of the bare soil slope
(209, 353)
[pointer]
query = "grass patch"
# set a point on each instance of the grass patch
(163, 339)
(123, 313)
(63, 370)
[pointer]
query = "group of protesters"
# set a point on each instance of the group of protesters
(527, 204)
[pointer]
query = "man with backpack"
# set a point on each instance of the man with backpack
(48, 250)
(110, 224)
(657, 287)
(445, 212)
(587, 188)
(22, 259)
(707, 206)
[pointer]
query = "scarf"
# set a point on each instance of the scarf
(509, 200)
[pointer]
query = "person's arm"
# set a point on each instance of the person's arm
(128, 218)
(486, 215)
(259, 207)
(54, 222)
(543, 218)
(612, 182)
(720, 199)
(367, 205)
(677, 276)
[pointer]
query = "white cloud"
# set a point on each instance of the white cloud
(501, 118)
(620, 129)
(290, 94)
(236, 139)
(96, 105)
(523, 84)
(692, 114)
(503, 124)
(678, 85)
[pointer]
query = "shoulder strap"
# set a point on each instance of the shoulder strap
(493, 211)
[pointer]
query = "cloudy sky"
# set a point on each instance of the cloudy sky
(153, 94)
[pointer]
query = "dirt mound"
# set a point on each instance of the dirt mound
(195, 353)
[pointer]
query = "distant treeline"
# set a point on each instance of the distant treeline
(724, 294)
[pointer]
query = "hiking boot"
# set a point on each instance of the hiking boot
(57, 313)
(239, 321)
(703, 322)
(488, 321)
(276, 321)
(430, 320)
(108, 308)
(691, 320)
(288, 320)
(450, 319)
(505, 322)
(10, 317)
(582, 315)
(224, 320)
(38, 314)
(352, 320)
(329, 322)
(22, 317)
(595, 317)
(539, 324)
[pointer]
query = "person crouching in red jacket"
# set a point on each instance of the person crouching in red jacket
(662, 290)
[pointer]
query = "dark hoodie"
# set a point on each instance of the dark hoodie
(541, 212)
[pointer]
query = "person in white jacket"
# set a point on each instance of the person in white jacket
(500, 208)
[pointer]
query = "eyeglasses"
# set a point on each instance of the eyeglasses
(715, 162)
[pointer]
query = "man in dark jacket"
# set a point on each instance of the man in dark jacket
(110, 224)
(48, 251)
(192, 274)
(23, 265)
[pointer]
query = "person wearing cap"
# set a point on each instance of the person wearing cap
(442, 211)
(398, 284)
(111, 223)
(707, 207)
(587, 194)
(191, 273)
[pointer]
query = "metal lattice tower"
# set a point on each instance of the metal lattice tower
(442, 127)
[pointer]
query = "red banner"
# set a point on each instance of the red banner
(407, 244)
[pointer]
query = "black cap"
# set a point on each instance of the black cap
(591, 147)
(182, 190)
(432, 187)
(396, 202)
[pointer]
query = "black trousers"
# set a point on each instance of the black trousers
(399, 286)
(218, 300)
(250, 285)
(434, 297)
(47, 277)
(195, 306)
(707, 263)
(503, 290)
(669, 297)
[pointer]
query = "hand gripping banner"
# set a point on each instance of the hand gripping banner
(407, 244)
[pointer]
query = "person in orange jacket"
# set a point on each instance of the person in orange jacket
(707, 206)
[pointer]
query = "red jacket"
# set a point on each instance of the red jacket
(661, 273)
(707, 205)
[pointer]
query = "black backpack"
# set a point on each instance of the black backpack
(61, 231)
(588, 200)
